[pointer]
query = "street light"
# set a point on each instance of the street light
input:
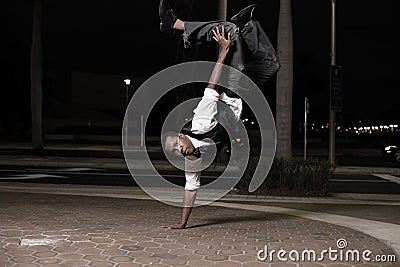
(127, 82)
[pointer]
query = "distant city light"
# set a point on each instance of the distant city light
(358, 128)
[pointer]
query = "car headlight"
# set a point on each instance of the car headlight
(390, 147)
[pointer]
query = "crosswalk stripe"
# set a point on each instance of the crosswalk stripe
(31, 176)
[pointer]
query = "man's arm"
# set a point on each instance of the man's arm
(224, 44)
(204, 114)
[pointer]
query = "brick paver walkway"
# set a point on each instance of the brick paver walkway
(58, 230)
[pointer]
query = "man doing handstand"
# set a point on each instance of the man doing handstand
(204, 125)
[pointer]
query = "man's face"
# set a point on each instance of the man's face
(179, 145)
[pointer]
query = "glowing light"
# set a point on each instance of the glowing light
(127, 81)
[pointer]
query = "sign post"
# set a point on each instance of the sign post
(336, 88)
(306, 111)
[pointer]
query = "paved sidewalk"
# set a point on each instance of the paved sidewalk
(81, 225)
(75, 225)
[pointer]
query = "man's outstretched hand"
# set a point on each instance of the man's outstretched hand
(219, 36)
(224, 43)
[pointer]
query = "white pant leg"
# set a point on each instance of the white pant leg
(192, 180)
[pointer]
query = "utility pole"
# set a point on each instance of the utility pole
(222, 9)
(36, 77)
(332, 113)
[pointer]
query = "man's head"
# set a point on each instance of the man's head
(178, 144)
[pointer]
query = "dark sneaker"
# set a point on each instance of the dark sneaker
(167, 17)
(244, 16)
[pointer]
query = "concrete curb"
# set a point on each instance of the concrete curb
(366, 170)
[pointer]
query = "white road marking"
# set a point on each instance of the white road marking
(79, 169)
(388, 177)
(106, 174)
(88, 173)
(31, 176)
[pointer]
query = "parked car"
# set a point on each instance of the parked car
(392, 152)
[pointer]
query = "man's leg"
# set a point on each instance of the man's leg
(169, 23)
(262, 61)
(203, 32)
(179, 25)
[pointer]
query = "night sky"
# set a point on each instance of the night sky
(122, 37)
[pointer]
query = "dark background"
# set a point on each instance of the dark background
(104, 41)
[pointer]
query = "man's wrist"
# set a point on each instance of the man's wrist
(224, 51)
(222, 55)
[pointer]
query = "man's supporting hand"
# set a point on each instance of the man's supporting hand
(188, 201)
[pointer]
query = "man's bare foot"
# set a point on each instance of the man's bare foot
(174, 226)
(179, 25)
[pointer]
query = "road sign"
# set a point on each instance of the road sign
(307, 105)
(336, 88)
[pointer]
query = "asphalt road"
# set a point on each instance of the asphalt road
(340, 183)
(366, 160)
